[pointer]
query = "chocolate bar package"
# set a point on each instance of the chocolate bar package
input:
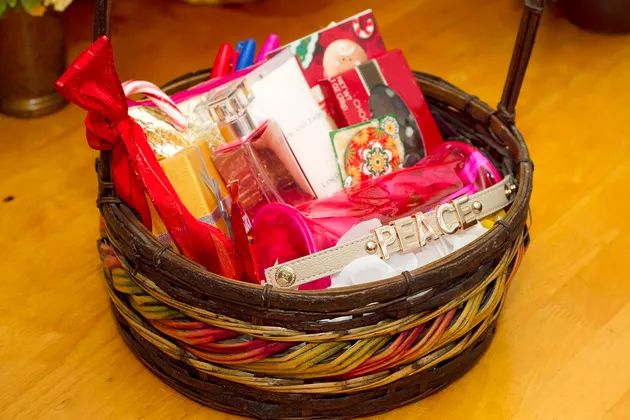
(338, 48)
(384, 86)
(199, 186)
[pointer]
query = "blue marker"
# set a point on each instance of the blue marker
(246, 54)
(239, 47)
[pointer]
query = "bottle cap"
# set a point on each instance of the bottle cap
(228, 108)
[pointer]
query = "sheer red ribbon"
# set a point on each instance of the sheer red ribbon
(92, 83)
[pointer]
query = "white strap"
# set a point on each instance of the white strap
(402, 235)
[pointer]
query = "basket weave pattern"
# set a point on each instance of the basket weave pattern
(371, 357)
(285, 354)
(335, 353)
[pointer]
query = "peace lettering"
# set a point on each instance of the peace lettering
(414, 232)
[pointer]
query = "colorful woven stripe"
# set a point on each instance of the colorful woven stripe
(284, 360)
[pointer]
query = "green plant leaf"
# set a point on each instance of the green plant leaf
(3, 6)
(12, 3)
(29, 4)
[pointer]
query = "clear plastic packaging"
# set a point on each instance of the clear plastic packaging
(286, 233)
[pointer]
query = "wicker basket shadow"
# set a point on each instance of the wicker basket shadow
(268, 353)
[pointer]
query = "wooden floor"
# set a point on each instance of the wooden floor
(563, 340)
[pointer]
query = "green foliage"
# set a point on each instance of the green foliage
(27, 5)
(6, 4)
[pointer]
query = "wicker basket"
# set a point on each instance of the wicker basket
(341, 353)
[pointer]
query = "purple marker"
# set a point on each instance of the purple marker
(271, 43)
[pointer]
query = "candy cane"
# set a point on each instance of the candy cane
(365, 32)
(159, 98)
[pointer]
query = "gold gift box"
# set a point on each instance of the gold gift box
(190, 171)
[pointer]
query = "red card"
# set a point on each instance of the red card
(384, 86)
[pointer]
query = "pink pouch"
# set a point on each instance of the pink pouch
(282, 233)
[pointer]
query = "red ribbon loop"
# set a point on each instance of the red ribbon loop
(92, 83)
(101, 134)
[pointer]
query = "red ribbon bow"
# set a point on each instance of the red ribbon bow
(92, 83)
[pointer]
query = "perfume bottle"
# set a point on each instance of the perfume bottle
(256, 154)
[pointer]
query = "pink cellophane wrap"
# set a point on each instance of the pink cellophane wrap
(286, 233)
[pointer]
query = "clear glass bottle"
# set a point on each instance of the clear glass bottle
(256, 155)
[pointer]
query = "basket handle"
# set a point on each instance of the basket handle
(513, 82)
(101, 18)
(520, 58)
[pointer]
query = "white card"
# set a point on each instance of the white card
(282, 94)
